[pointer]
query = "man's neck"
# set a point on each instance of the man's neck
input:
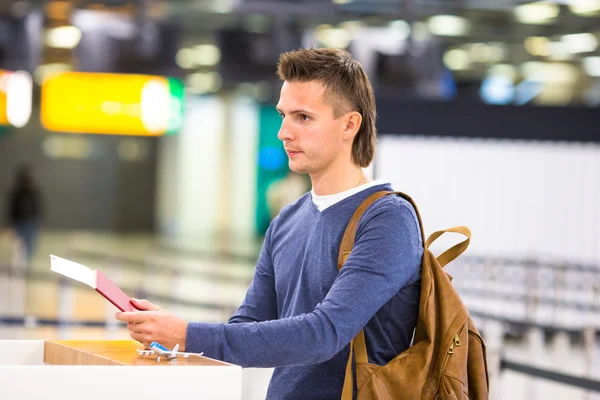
(336, 181)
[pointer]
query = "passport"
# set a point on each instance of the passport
(96, 279)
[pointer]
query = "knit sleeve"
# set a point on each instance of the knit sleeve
(260, 303)
(386, 256)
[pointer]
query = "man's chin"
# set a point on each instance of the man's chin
(294, 167)
(299, 169)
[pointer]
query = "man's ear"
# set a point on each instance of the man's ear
(352, 123)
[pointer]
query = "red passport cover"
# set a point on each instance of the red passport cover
(113, 293)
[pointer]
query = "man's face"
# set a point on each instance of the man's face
(312, 137)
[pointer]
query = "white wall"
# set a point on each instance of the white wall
(243, 158)
(520, 198)
(207, 172)
(188, 171)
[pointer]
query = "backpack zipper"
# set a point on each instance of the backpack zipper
(455, 342)
(433, 385)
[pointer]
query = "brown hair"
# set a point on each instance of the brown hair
(347, 89)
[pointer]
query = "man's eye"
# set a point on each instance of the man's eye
(304, 117)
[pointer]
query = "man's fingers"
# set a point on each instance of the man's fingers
(132, 316)
(137, 328)
(142, 338)
(137, 336)
(144, 305)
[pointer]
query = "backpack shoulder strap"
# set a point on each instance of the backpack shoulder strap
(358, 347)
(350, 233)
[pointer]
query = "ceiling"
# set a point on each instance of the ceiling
(489, 22)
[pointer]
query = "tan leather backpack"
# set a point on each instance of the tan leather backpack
(447, 359)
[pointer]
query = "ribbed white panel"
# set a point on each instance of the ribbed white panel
(189, 172)
(520, 198)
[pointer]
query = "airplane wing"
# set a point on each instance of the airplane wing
(186, 355)
(157, 350)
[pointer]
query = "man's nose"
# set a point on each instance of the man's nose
(285, 134)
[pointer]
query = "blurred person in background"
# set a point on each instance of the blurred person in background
(24, 210)
(300, 313)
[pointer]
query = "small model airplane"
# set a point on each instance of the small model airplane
(156, 349)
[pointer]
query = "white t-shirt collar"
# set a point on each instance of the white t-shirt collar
(323, 202)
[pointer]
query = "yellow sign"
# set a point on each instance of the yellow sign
(4, 75)
(123, 104)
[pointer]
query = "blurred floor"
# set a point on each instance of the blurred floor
(199, 283)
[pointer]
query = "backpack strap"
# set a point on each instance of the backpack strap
(350, 232)
(358, 345)
(361, 358)
(454, 251)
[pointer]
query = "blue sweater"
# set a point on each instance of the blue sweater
(300, 314)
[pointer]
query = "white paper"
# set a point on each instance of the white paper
(73, 270)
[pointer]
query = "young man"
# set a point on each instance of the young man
(300, 313)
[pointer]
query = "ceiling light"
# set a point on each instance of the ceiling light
(221, 7)
(203, 82)
(537, 13)
(207, 54)
(537, 46)
(591, 65)
(419, 31)
(559, 52)
(585, 7)
(481, 52)
(550, 72)
(185, 58)
(448, 25)
(333, 37)
(497, 52)
(352, 26)
(457, 59)
(580, 42)
(400, 29)
(63, 37)
(505, 70)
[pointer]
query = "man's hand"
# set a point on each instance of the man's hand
(154, 324)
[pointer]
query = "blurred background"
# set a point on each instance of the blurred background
(140, 138)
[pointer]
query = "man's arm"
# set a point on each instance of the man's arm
(260, 303)
(153, 324)
(386, 256)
